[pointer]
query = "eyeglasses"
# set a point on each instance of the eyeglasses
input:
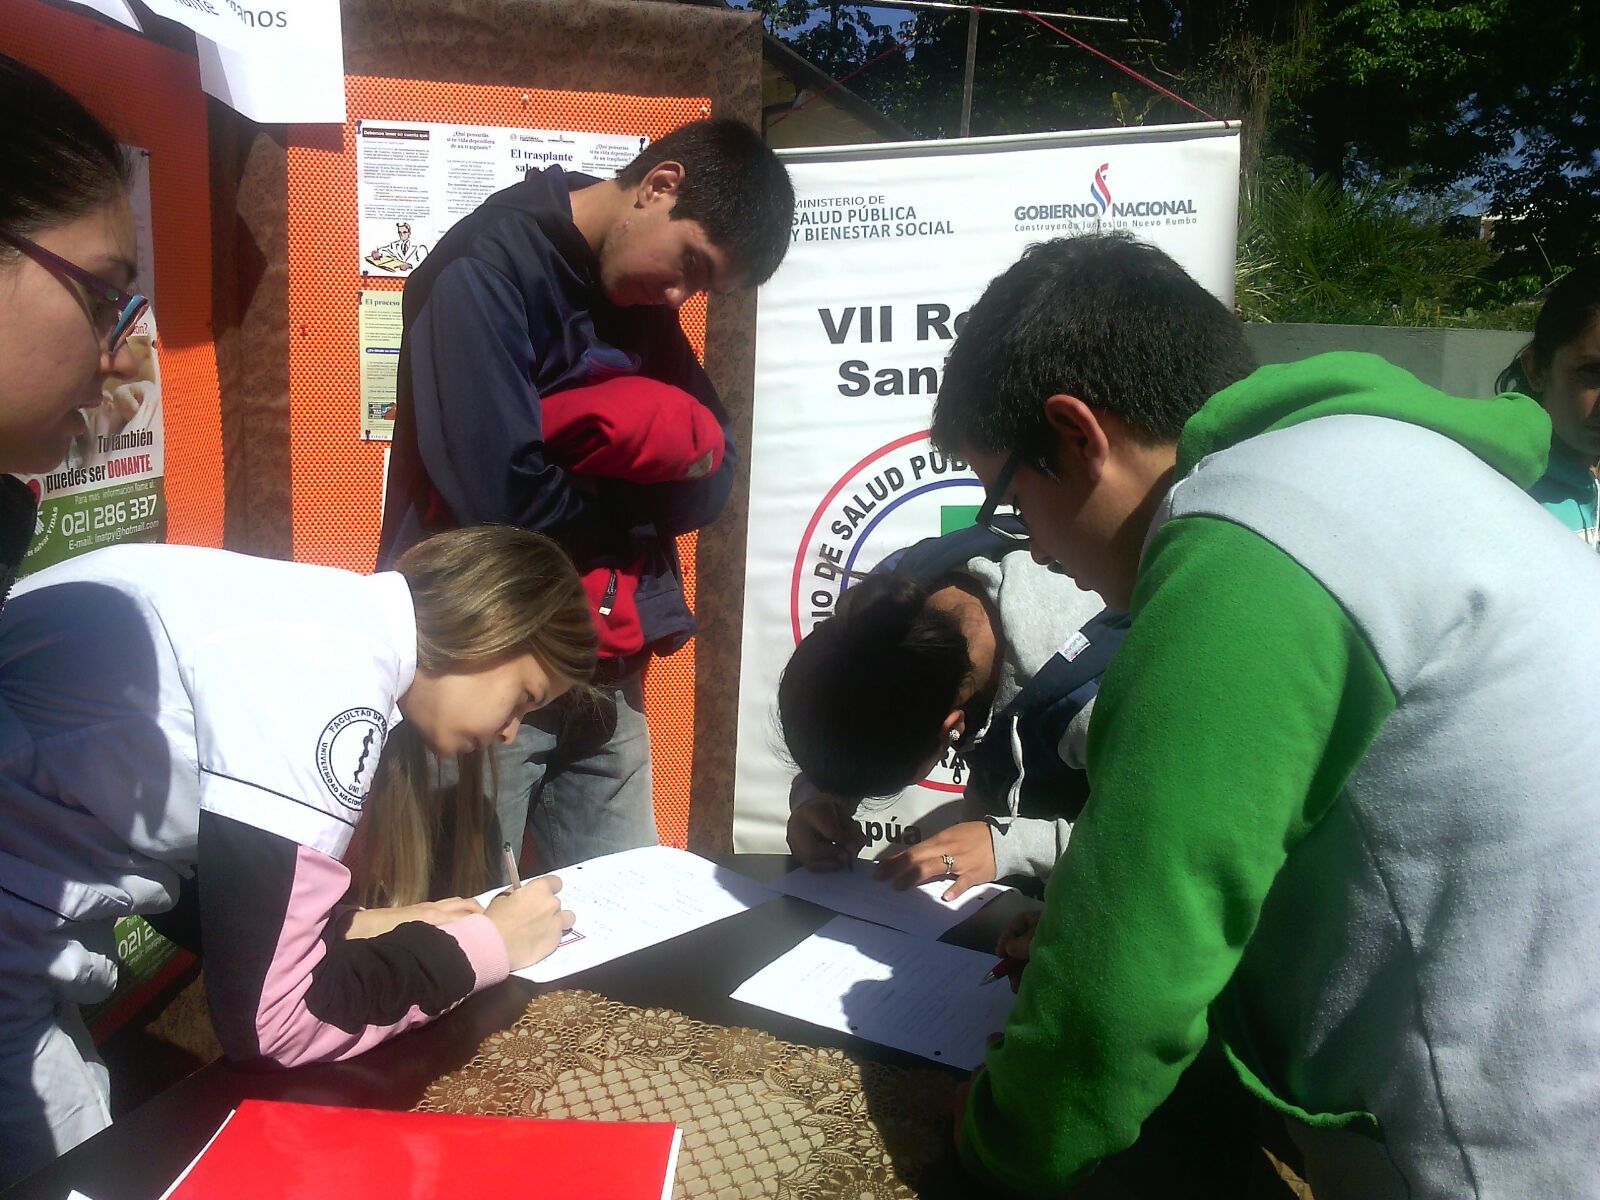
(112, 310)
(1007, 525)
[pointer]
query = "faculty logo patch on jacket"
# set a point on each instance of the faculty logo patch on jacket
(348, 752)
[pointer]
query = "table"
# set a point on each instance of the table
(138, 1156)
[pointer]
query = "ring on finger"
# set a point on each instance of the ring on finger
(949, 863)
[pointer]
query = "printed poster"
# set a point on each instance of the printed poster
(380, 363)
(414, 180)
(891, 244)
(108, 489)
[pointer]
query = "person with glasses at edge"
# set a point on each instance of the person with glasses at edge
(963, 647)
(66, 262)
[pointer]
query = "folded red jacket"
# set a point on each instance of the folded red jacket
(631, 427)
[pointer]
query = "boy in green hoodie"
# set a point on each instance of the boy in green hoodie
(1344, 802)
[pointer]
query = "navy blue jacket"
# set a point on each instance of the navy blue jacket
(1044, 708)
(17, 513)
(506, 308)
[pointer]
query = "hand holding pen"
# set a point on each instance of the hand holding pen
(822, 831)
(528, 917)
(513, 875)
(1014, 945)
(1006, 968)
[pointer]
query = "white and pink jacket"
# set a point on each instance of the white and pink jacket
(171, 714)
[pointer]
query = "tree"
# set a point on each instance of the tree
(1496, 96)
(1535, 116)
(1494, 100)
(1027, 78)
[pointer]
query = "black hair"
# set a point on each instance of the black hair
(1103, 317)
(1572, 305)
(733, 185)
(60, 162)
(863, 698)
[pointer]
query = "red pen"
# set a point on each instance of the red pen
(1006, 968)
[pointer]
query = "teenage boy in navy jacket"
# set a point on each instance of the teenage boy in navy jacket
(557, 282)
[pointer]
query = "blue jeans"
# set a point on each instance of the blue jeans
(577, 778)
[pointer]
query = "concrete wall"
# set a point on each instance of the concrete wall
(1463, 362)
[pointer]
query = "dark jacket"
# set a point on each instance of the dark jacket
(18, 510)
(508, 307)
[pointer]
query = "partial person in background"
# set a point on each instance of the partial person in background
(960, 645)
(177, 719)
(557, 282)
(1560, 368)
(66, 260)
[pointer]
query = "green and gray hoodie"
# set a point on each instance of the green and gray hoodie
(1345, 810)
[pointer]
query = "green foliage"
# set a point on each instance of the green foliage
(1381, 43)
(1361, 254)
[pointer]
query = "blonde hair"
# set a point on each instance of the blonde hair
(481, 596)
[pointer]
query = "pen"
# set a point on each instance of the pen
(1006, 968)
(511, 866)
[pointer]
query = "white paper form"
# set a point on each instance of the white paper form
(916, 910)
(626, 901)
(887, 987)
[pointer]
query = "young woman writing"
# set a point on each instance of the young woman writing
(170, 713)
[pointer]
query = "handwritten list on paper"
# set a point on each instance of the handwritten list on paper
(917, 910)
(633, 899)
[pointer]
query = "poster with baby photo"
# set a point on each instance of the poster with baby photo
(108, 489)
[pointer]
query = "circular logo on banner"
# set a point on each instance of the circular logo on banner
(347, 754)
(893, 498)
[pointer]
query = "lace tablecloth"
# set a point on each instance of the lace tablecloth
(760, 1117)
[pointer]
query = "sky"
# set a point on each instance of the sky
(893, 17)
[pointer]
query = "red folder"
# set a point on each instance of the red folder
(272, 1151)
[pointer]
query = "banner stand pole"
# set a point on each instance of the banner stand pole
(972, 67)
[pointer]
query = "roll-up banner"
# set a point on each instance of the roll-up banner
(891, 245)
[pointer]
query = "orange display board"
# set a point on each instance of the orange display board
(336, 479)
(149, 96)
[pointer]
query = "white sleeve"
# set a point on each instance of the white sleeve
(289, 724)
